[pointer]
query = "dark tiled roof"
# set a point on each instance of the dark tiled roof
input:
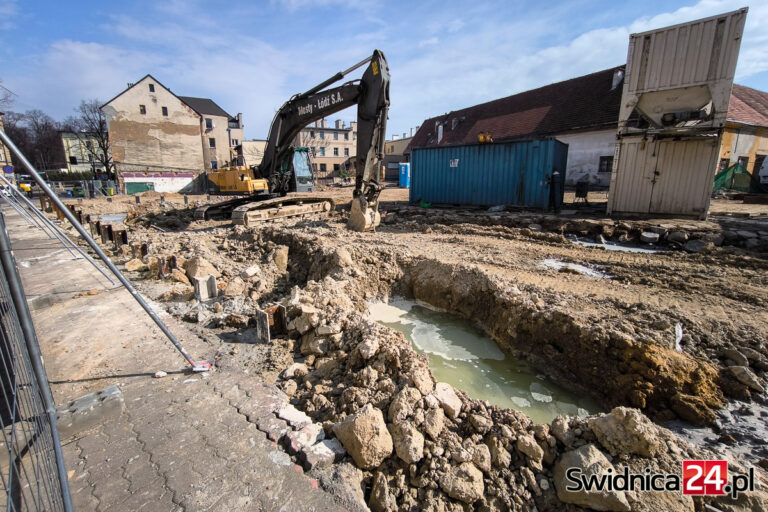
(579, 104)
(748, 106)
(204, 106)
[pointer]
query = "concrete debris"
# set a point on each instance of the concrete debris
(366, 437)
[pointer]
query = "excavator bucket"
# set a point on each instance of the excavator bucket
(363, 215)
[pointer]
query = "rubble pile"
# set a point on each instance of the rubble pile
(423, 445)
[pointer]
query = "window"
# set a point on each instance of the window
(335, 135)
(90, 158)
(151, 87)
(314, 152)
(311, 134)
(322, 167)
(73, 160)
(336, 167)
(142, 109)
(346, 135)
(165, 111)
(208, 123)
(606, 164)
(322, 151)
(214, 164)
(743, 161)
(322, 135)
(723, 164)
(335, 151)
(346, 151)
(235, 142)
(212, 143)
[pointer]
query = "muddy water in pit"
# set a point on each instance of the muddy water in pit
(464, 357)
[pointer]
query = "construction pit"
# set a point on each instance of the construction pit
(669, 345)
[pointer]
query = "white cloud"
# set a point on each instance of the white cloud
(8, 11)
(438, 63)
(428, 42)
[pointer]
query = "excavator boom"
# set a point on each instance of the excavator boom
(371, 95)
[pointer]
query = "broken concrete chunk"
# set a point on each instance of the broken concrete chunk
(590, 461)
(342, 257)
(365, 436)
(304, 438)
(249, 272)
(235, 287)
(326, 330)
(205, 287)
(448, 399)
(280, 257)
(649, 237)
(404, 404)
(746, 377)
(135, 265)
(464, 483)
(179, 276)
(434, 420)
(527, 445)
(408, 441)
(368, 348)
(200, 267)
(295, 417)
(627, 430)
(295, 370)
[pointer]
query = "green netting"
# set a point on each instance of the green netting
(735, 177)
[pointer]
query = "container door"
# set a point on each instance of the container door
(632, 181)
(683, 178)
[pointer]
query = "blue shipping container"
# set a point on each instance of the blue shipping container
(513, 173)
(405, 174)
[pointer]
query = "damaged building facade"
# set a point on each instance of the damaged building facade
(167, 140)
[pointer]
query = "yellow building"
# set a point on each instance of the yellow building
(745, 139)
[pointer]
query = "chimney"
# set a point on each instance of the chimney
(338, 124)
(353, 125)
(404, 135)
(323, 123)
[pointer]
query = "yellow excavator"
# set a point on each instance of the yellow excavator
(276, 185)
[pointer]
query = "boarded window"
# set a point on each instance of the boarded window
(165, 111)
(606, 164)
(142, 109)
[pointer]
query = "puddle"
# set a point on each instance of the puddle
(559, 265)
(611, 246)
(464, 357)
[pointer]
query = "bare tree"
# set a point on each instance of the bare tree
(47, 151)
(90, 127)
(6, 97)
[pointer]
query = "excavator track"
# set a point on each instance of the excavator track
(253, 213)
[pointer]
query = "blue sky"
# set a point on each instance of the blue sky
(251, 57)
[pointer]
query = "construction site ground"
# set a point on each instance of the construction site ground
(676, 334)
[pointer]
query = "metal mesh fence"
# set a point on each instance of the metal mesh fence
(32, 475)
